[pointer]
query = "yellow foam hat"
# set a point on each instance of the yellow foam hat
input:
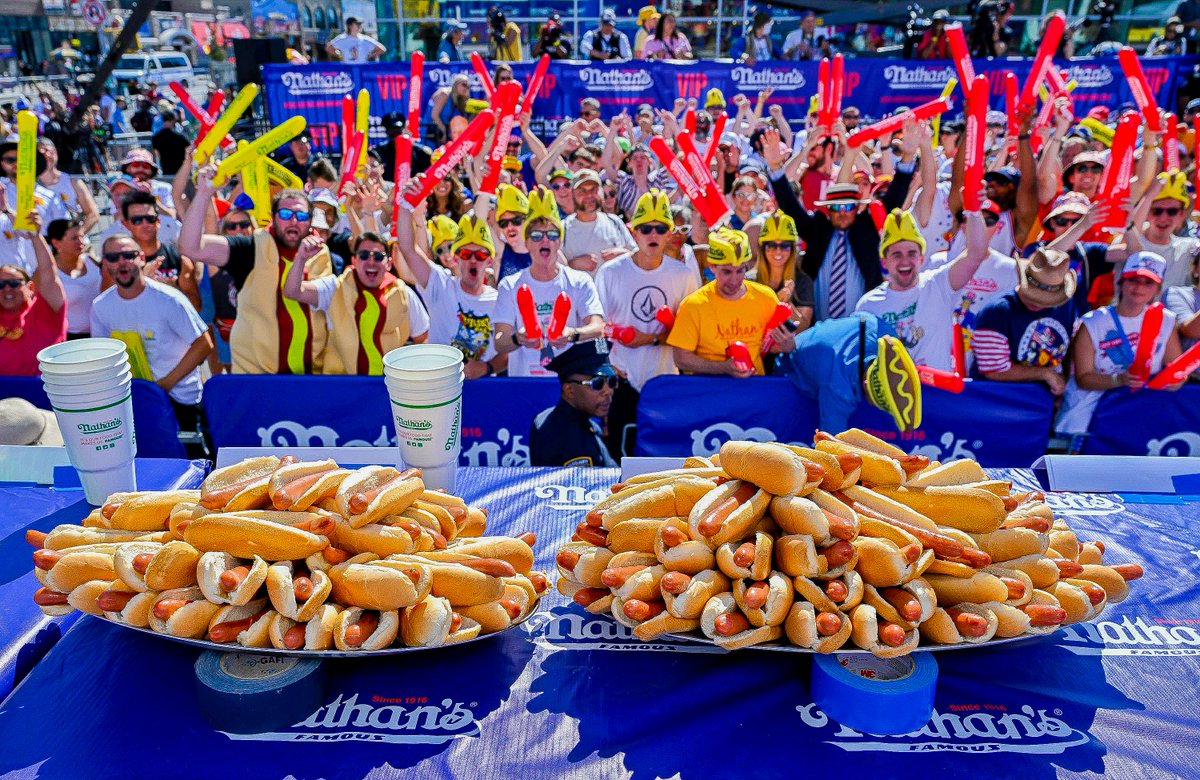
(900, 226)
(1174, 187)
(475, 105)
(778, 227)
(653, 206)
(542, 205)
(714, 99)
(721, 250)
(740, 242)
(510, 200)
(441, 230)
(473, 230)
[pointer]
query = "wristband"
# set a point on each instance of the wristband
(574, 337)
(516, 338)
(1023, 136)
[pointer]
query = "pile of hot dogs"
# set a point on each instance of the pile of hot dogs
(851, 540)
(277, 553)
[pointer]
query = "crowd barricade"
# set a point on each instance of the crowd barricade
(154, 418)
(1146, 422)
(876, 85)
(999, 424)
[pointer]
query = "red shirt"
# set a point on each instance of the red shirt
(26, 332)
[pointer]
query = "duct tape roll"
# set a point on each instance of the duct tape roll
(875, 695)
(248, 693)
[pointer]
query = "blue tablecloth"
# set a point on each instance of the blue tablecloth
(25, 632)
(571, 696)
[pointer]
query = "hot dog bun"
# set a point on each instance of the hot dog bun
(775, 468)
(380, 638)
(269, 534)
(239, 486)
(801, 629)
(281, 589)
(374, 492)
(190, 620)
(172, 565)
(212, 565)
(368, 583)
(298, 486)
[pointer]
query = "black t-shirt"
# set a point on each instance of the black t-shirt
(172, 261)
(297, 167)
(241, 259)
(171, 146)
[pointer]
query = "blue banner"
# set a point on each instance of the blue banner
(876, 86)
(1148, 422)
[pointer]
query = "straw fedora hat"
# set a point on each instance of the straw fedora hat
(1046, 278)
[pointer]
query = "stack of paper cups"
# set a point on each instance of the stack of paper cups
(424, 383)
(90, 386)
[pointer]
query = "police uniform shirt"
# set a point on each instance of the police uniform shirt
(563, 436)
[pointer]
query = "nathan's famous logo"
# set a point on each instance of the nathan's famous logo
(618, 80)
(398, 719)
(100, 427)
(1090, 76)
(574, 630)
(1133, 636)
(317, 82)
(735, 331)
(568, 498)
(779, 79)
(968, 728)
(917, 77)
(414, 425)
(1182, 444)
(709, 440)
(453, 438)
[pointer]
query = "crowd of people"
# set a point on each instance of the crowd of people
(868, 247)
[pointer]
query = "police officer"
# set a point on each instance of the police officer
(566, 434)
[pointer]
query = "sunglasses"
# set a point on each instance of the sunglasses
(116, 257)
(785, 245)
(7, 160)
(514, 221)
(597, 383)
(1170, 211)
(743, 195)
(13, 283)
(657, 229)
(368, 254)
(1063, 222)
(139, 219)
(990, 219)
(464, 254)
(682, 230)
(238, 225)
(1089, 168)
(559, 186)
(548, 235)
(844, 207)
(589, 114)
(300, 216)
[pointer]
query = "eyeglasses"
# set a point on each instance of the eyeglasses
(597, 383)
(138, 219)
(464, 254)
(656, 228)
(13, 283)
(300, 216)
(238, 225)
(1063, 222)
(785, 245)
(1089, 168)
(514, 221)
(1170, 211)
(744, 195)
(548, 235)
(682, 230)
(116, 257)
(990, 219)
(842, 207)
(368, 254)
(560, 186)
(7, 160)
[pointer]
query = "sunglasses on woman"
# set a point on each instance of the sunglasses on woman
(369, 254)
(13, 283)
(1063, 222)
(659, 229)
(548, 235)
(514, 221)
(597, 383)
(784, 245)
(299, 216)
(464, 254)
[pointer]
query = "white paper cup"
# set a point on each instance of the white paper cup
(83, 354)
(428, 434)
(66, 382)
(101, 445)
(422, 361)
(433, 389)
(85, 399)
(52, 374)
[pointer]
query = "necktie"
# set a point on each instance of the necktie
(837, 275)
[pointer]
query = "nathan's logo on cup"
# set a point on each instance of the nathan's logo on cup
(709, 440)
(1084, 504)
(918, 77)
(380, 719)
(452, 439)
(415, 425)
(571, 630)
(618, 80)
(1183, 444)
(568, 498)
(779, 79)
(318, 83)
(1134, 636)
(967, 728)
(1090, 76)
(100, 427)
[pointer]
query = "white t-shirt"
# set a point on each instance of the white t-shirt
(418, 318)
(605, 232)
(81, 291)
(64, 189)
(1002, 242)
(526, 361)
(168, 231)
(354, 48)
(1178, 253)
(997, 274)
(458, 318)
(632, 296)
(163, 322)
(15, 250)
(922, 317)
(48, 205)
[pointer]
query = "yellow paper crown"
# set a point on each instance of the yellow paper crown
(1174, 186)
(441, 230)
(510, 200)
(714, 99)
(653, 206)
(473, 230)
(900, 226)
(543, 206)
(721, 250)
(778, 227)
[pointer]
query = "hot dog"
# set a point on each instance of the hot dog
(146, 566)
(960, 623)
(476, 581)
(672, 497)
(365, 629)
(363, 581)
(514, 550)
(64, 570)
(906, 605)
(295, 591)
(722, 622)
(270, 534)
(823, 631)
(583, 563)
(246, 624)
(1042, 615)
(85, 597)
(389, 536)
(883, 562)
(727, 513)
(840, 470)
(876, 469)
(977, 589)
(685, 596)
(240, 486)
(819, 515)
(120, 605)
(911, 464)
(765, 602)
(882, 638)
(148, 511)
(64, 536)
(677, 551)
(430, 623)
(316, 634)
(775, 468)
(634, 536)
(374, 492)
(298, 486)
(1113, 579)
(968, 509)
(182, 612)
(955, 472)
(748, 559)
(837, 595)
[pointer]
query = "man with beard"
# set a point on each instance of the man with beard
(592, 237)
(139, 215)
(272, 334)
(165, 337)
(366, 298)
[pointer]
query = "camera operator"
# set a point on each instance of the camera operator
(934, 43)
(1172, 41)
(552, 40)
(505, 37)
(990, 32)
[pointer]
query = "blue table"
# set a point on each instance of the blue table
(570, 695)
(25, 632)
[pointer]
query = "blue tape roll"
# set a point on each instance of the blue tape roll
(876, 695)
(250, 693)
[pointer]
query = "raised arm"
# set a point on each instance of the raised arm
(923, 206)
(1026, 208)
(193, 241)
(45, 274)
(966, 264)
(294, 284)
(87, 205)
(418, 262)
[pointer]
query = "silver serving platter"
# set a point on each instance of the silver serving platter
(699, 638)
(234, 647)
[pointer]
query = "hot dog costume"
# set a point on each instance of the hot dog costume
(366, 323)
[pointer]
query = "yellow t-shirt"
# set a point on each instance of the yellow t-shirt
(510, 52)
(706, 323)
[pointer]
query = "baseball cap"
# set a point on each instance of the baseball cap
(940, 15)
(609, 15)
(352, 20)
(1008, 174)
(1148, 265)
(990, 205)
(455, 24)
(584, 176)
(561, 173)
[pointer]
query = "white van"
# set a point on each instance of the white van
(161, 67)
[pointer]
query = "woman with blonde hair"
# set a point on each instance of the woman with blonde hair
(778, 266)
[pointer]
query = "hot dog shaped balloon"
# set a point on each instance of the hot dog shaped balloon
(529, 318)
(481, 70)
(960, 54)
(1052, 35)
(665, 316)
(27, 129)
(203, 116)
(225, 122)
(416, 77)
(535, 83)
(623, 334)
(452, 155)
(558, 317)
(740, 354)
(778, 317)
(1142, 94)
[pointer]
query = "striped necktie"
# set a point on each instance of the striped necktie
(837, 275)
